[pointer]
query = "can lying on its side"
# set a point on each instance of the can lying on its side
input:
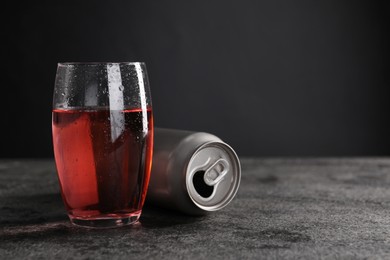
(192, 172)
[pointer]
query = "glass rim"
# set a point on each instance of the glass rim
(99, 63)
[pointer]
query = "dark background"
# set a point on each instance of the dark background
(271, 78)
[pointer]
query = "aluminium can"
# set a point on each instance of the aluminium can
(192, 172)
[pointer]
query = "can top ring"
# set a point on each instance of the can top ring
(221, 168)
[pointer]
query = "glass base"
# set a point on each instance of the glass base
(109, 221)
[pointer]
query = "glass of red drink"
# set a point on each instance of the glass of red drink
(103, 141)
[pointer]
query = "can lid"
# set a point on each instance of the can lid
(213, 176)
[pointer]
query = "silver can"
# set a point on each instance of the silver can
(192, 172)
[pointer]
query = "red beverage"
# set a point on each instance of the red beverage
(103, 160)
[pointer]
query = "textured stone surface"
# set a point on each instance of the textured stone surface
(285, 208)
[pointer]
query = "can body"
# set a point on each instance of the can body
(192, 172)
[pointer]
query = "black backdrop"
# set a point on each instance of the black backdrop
(271, 78)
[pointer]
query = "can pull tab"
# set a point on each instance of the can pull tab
(215, 173)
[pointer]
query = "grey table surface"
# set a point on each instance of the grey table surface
(285, 209)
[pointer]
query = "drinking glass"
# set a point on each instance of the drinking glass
(102, 126)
